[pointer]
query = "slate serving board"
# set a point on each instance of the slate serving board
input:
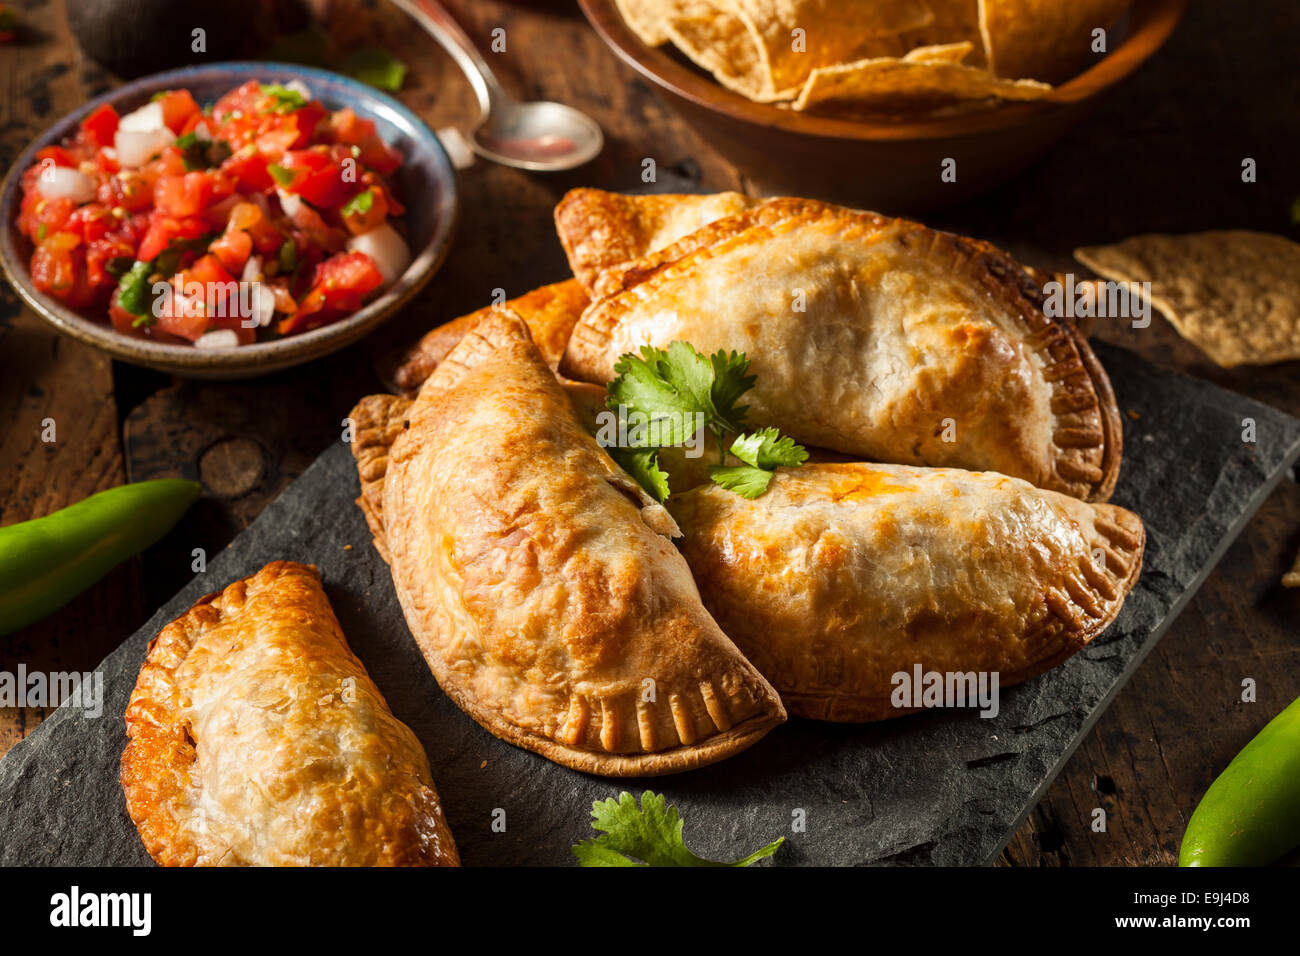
(943, 787)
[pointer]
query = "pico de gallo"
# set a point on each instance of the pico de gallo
(266, 192)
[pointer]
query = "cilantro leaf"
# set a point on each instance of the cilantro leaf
(643, 465)
(201, 153)
(664, 390)
(377, 67)
(286, 100)
(730, 381)
(768, 449)
(745, 480)
(649, 836)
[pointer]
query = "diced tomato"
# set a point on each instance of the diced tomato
(178, 107)
(274, 142)
(59, 268)
(92, 221)
(184, 195)
(182, 316)
(318, 177)
(306, 121)
(250, 218)
(163, 230)
(359, 222)
(233, 249)
(248, 168)
(99, 253)
(209, 269)
(340, 284)
(101, 125)
(345, 126)
(60, 156)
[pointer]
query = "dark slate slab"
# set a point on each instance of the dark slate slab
(938, 788)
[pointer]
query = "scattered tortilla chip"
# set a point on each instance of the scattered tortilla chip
(750, 45)
(1049, 40)
(887, 85)
(1234, 294)
(1292, 578)
(647, 18)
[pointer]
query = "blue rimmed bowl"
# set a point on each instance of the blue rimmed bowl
(426, 184)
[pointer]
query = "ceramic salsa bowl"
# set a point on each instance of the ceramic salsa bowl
(891, 165)
(426, 184)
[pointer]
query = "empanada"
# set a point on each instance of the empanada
(874, 337)
(551, 313)
(539, 580)
(256, 737)
(600, 230)
(842, 575)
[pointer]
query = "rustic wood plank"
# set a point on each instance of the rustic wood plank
(46, 376)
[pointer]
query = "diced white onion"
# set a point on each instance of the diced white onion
(263, 302)
(252, 269)
(64, 182)
(144, 120)
(299, 87)
(217, 339)
(386, 248)
(137, 147)
(288, 202)
(202, 134)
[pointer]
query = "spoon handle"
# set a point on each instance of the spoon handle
(440, 24)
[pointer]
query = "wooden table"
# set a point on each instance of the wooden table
(1163, 154)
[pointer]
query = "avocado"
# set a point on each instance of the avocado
(135, 37)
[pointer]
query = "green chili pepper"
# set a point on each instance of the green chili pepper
(1250, 816)
(47, 562)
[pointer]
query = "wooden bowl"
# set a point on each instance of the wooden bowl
(426, 180)
(891, 165)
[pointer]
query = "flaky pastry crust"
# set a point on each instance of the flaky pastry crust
(540, 581)
(256, 737)
(842, 575)
(874, 337)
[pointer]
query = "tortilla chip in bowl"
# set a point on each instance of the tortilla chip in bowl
(863, 102)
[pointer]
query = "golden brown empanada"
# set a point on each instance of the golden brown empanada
(551, 313)
(256, 737)
(540, 580)
(600, 230)
(842, 575)
(874, 337)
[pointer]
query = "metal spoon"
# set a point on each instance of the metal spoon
(539, 136)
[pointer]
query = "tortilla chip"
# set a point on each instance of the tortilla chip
(1048, 40)
(954, 21)
(600, 230)
(715, 38)
(941, 53)
(551, 312)
(1292, 578)
(887, 85)
(749, 45)
(647, 18)
(1234, 294)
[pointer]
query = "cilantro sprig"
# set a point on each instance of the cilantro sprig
(664, 396)
(648, 836)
